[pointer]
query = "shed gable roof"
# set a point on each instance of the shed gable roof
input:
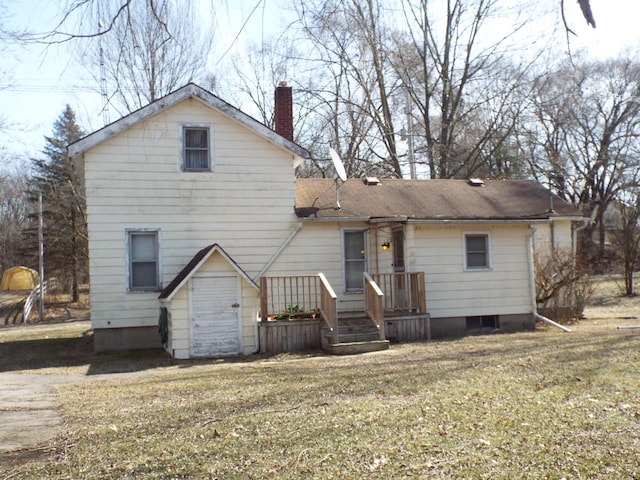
(430, 200)
(192, 267)
(190, 90)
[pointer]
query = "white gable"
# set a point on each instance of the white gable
(188, 91)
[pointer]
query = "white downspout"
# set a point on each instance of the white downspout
(257, 333)
(532, 285)
(278, 252)
(266, 267)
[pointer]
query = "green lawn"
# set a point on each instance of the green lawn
(531, 405)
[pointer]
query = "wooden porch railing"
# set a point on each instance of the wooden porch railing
(329, 307)
(289, 295)
(403, 292)
(374, 303)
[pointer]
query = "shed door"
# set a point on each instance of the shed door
(215, 318)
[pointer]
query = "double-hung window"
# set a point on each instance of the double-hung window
(196, 149)
(477, 255)
(355, 259)
(143, 260)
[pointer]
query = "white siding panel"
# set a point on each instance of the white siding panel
(452, 292)
(320, 246)
(133, 180)
(561, 232)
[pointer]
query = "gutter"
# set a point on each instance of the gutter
(485, 221)
(532, 285)
(444, 221)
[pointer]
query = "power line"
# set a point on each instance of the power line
(46, 88)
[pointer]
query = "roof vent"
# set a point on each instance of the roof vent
(476, 182)
(371, 181)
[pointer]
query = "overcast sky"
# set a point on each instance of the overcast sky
(44, 80)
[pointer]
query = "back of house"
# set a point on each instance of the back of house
(198, 226)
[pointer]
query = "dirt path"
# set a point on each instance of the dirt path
(28, 415)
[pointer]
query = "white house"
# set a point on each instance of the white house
(195, 216)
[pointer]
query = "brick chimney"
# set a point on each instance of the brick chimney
(284, 111)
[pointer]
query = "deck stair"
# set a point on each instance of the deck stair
(356, 334)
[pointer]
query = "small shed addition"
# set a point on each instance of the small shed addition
(209, 308)
(19, 278)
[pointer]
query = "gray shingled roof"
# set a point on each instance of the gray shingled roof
(429, 200)
(193, 265)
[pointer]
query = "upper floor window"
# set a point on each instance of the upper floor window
(477, 251)
(143, 260)
(197, 149)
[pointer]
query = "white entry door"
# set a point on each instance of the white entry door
(215, 316)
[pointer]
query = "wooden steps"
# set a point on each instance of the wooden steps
(353, 348)
(356, 334)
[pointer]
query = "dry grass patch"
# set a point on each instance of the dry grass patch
(531, 405)
(538, 405)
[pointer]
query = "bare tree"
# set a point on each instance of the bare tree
(626, 238)
(562, 283)
(588, 135)
(466, 95)
(354, 81)
(14, 212)
(152, 50)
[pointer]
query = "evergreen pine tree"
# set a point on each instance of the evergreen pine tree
(64, 212)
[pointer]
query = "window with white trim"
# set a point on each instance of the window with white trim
(477, 255)
(196, 154)
(355, 259)
(143, 260)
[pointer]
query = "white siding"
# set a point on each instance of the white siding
(439, 252)
(558, 230)
(318, 248)
(454, 292)
(133, 180)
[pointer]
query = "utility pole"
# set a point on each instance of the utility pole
(41, 254)
(410, 153)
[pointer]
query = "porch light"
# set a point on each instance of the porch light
(386, 246)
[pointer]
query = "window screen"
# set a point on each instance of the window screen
(143, 261)
(196, 148)
(477, 251)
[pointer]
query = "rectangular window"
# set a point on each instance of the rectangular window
(482, 323)
(355, 260)
(476, 251)
(196, 155)
(144, 269)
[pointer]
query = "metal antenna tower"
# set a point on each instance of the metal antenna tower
(103, 76)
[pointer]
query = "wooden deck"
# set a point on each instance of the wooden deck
(396, 312)
(289, 336)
